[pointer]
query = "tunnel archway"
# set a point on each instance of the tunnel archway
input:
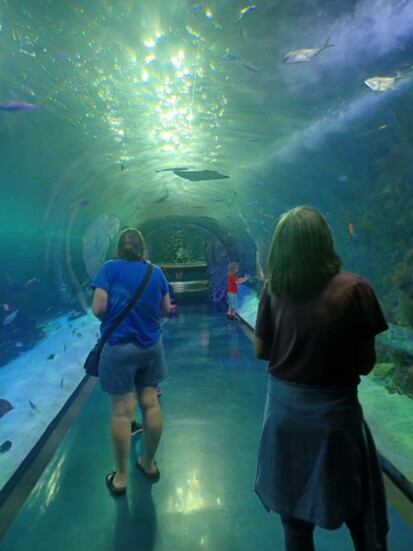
(186, 240)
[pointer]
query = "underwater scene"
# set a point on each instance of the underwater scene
(198, 124)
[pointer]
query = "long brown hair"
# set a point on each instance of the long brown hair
(131, 245)
(302, 257)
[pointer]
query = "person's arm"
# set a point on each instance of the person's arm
(367, 355)
(242, 279)
(166, 305)
(100, 303)
(262, 349)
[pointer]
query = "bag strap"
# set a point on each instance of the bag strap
(129, 306)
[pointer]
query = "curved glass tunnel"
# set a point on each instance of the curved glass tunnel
(199, 124)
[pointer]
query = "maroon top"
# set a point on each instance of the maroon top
(316, 341)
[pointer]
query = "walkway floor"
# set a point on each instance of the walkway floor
(212, 403)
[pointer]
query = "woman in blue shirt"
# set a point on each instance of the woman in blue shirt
(132, 359)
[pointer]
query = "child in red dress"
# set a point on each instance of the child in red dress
(232, 289)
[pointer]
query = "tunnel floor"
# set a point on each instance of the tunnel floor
(212, 403)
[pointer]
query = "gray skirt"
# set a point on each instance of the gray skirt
(317, 460)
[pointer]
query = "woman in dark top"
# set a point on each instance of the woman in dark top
(132, 358)
(316, 326)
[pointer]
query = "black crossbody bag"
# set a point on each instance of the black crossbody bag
(91, 365)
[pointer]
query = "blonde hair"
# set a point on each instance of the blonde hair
(233, 267)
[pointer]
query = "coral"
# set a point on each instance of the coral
(382, 370)
(405, 309)
(393, 370)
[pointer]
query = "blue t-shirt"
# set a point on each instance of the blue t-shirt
(121, 278)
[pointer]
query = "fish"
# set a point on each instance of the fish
(32, 405)
(197, 7)
(230, 57)
(251, 67)
(10, 318)
(83, 202)
(17, 105)
(244, 12)
(352, 232)
(122, 165)
(31, 281)
(200, 175)
(179, 169)
(163, 198)
(64, 348)
(381, 84)
(6, 307)
(62, 380)
(75, 316)
(305, 54)
(51, 357)
(5, 446)
(342, 179)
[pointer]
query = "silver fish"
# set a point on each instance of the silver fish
(8, 320)
(244, 12)
(305, 54)
(251, 67)
(16, 105)
(381, 84)
(230, 57)
(32, 405)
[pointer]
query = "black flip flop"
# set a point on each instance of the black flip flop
(112, 488)
(152, 476)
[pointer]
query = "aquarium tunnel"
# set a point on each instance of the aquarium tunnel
(198, 124)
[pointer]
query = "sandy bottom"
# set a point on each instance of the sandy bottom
(390, 417)
(38, 387)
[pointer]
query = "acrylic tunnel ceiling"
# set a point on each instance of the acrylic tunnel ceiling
(220, 113)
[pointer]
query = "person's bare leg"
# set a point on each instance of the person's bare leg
(152, 425)
(123, 408)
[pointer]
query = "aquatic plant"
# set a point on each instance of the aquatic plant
(393, 370)
(401, 279)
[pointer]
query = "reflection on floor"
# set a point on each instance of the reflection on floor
(212, 402)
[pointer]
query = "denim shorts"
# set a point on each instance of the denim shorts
(125, 366)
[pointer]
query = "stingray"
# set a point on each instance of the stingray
(5, 406)
(179, 168)
(200, 175)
